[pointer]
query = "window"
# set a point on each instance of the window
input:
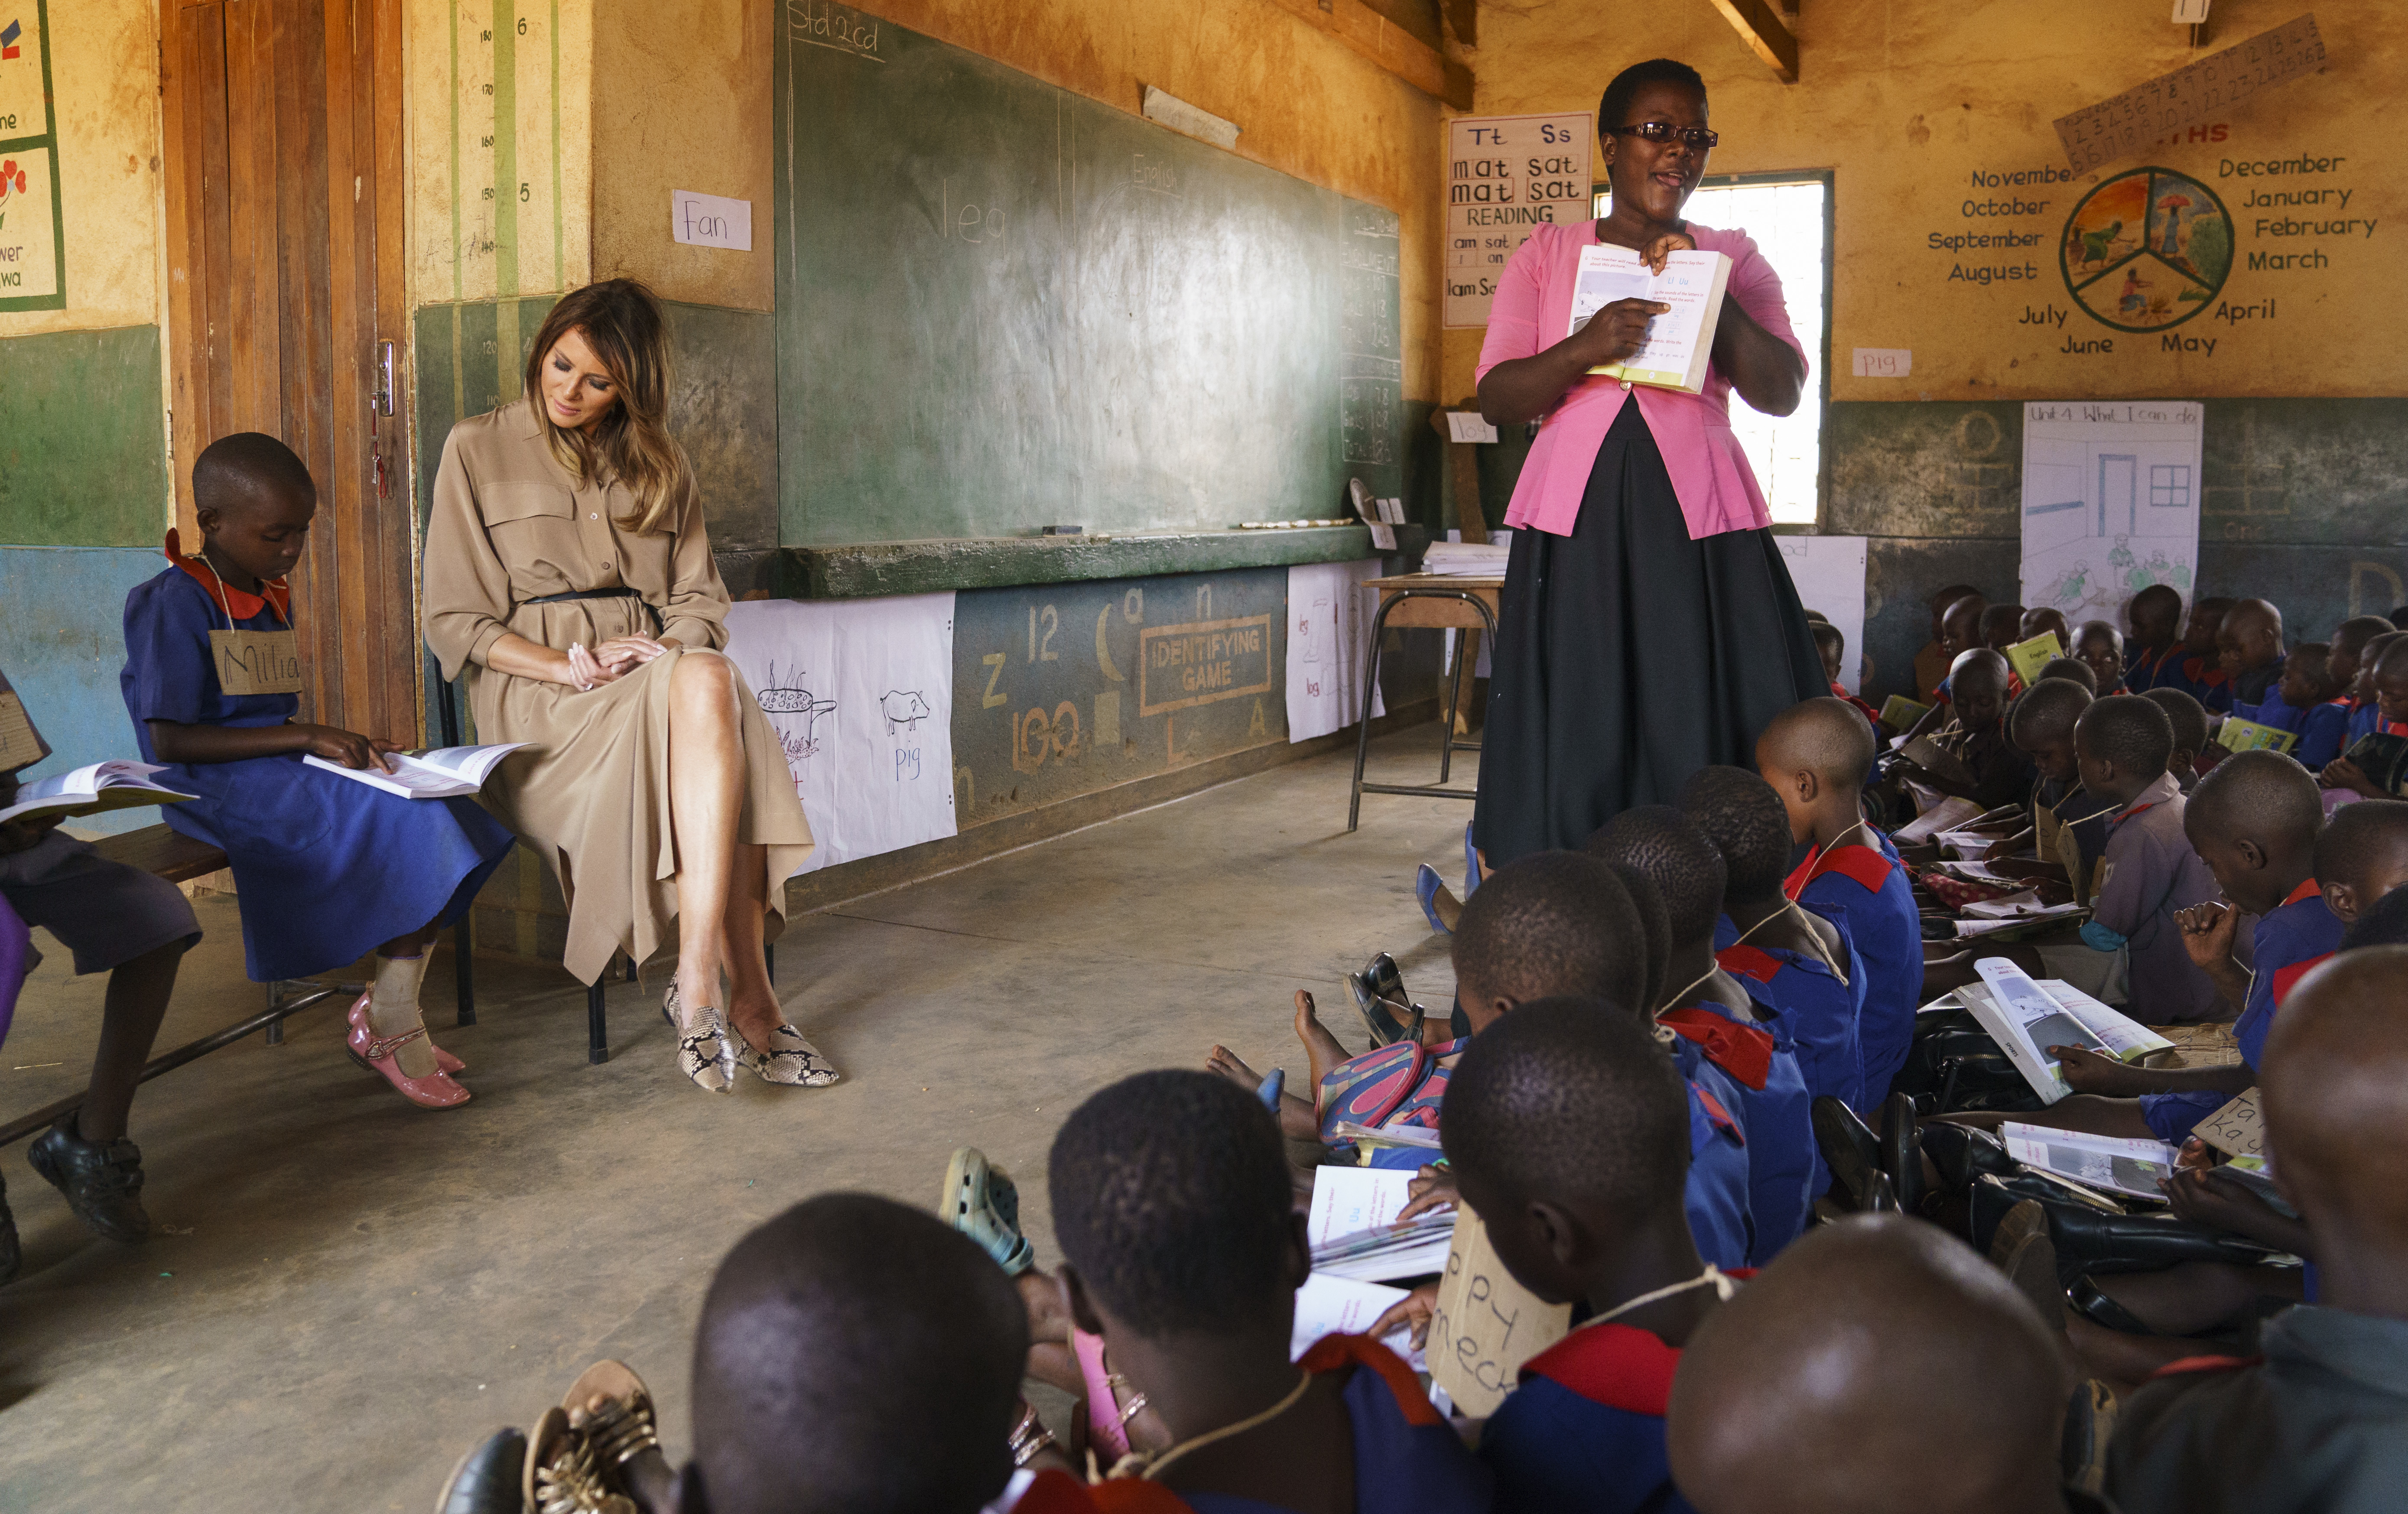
(1789, 216)
(2169, 485)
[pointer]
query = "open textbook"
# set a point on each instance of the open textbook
(443, 773)
(2026, 1019)
(2120, 1164)
(88, 791)
(1681, 341)
(1353, 1228)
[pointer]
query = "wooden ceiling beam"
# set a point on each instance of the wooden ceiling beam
(1388, 45)
(1760, 28)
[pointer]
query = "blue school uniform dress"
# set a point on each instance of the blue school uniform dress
(2364, 720)
(2296, 936)
(327, 868)
(2322, 729)
(2196, 674)
(1716, 1197)
(1868, 896)
(1813, 1007)
(1408, 1460)
(1583, 1432)
(1773, 1104)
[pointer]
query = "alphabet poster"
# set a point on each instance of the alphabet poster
(861, 692)
(1329, 640)
(2111, 503)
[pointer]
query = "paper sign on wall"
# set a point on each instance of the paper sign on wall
(1883, 362)
(1829, 573)
(1468, 426)
(861, 694)
(1328, 642)
(710, 221)
(1504, 176)
(1486, 1324)
(2165, 105)
(2110, 494)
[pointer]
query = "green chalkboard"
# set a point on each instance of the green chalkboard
(1002, 305)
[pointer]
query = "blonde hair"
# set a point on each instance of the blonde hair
(623, 322)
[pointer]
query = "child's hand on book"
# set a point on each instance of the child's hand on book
(1431, 1191)
(348, 747)
(2341, 773)
(1413, 1310)
(2087, 1072)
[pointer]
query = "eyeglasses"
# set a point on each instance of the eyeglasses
(1664, 131)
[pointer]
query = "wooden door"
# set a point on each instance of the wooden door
(282, 126)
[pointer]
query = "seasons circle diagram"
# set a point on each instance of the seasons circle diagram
(2146, 250)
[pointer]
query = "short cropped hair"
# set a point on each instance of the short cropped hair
(1825, 735)
(1655, 930)
(2256, 793)
(892, 1336)
(1826, 635)
(246, 467)
(1551, 924)
(2048, 710)
(1685, 865)
(2382, 924)
(1565, 1099)
(2356, 837)
(2186, 714)
(1742, 815)
(1170, 1196)
(2133, 734)
(1615, 101)
(2072, 669)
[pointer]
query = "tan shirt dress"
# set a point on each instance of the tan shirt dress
(510, 526)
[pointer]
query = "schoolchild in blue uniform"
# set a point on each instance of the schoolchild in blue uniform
(1567, 1135)
(2194, 664)
(1806, 981)
(1814, 754)
(2350, 659)
(327, 868)
(2306, 700)
(1182, 1252)
(2152, 634)
(1723, 1047)
(2249, 650)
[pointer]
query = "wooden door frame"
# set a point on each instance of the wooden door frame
(356, 594)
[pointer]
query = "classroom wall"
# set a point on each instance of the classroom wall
(1935, 123)
(83, 440)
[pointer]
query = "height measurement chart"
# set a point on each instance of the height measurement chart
(1504, 176)
(2111, 503)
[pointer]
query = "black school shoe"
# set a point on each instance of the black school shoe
(12, 1252)
(102, 1180)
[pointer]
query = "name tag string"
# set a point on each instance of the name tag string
(252, 662)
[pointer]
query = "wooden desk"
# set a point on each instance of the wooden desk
(1430, 601)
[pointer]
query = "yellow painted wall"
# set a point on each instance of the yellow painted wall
(694, 117)
(105, 83)
(1306, 104)
(1905, 101)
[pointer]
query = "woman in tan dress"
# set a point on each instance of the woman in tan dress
(569, 579)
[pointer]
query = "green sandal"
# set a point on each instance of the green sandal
(981, 1201)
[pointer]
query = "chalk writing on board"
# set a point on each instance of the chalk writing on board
(837, 27)
(2131, 120)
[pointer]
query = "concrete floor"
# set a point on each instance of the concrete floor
(342, 1293)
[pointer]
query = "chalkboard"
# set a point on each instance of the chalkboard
(1002, 305)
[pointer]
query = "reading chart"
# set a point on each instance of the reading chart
(1505, 176)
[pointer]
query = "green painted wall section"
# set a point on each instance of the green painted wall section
(83, 440)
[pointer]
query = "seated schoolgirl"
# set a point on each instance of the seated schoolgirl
(326, 867)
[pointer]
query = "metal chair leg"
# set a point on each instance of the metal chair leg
(1363, 729)
(597, 1026)
(275, 1027)
(631, 969)
(463, 969)
(1454, 702)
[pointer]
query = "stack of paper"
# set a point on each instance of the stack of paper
(1354, 1231)
(1466, 559)
(2117, 1163)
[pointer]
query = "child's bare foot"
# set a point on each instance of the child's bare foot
(1307, 1020)
(1322, 1052)
(1227, 1063)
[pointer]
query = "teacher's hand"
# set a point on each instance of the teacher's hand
(624, 654)
(1618, 330)
(1663, 247)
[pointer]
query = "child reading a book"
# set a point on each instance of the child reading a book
(1814, 755)
(2044, 620)
(2072, 670)
(2249, 651)
(2041, 727)
(1797, 967)
(2364, 718)
(2194, 667)
(328, 868)
(2153, 619)
(2100, 647)
(2149, 873)
(2308, 703)
(2373, 766)
(1994, 772)
(2318, 1420)
(1182, 1251)
(2190, 721)
(1932, 661)
(1715, 1018)
(133, 926)
(1569, 1136)
(2348, 646)
(1829, 1382)
(1960, 633)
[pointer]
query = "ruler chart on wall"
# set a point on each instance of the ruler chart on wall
(505, 198)
(1505, 174)
(33, 239)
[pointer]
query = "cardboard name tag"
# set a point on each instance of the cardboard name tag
(2237, 1129)
(256, 662)
(1486, 1324)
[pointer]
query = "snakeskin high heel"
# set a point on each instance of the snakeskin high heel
(791, 1060)
(705, 1052)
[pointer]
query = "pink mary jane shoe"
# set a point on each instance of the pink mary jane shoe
(375, 1053)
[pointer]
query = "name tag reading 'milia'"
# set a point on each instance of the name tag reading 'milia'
(256, 662)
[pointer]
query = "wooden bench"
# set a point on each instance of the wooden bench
(170, 854)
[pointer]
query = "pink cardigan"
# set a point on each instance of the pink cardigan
(1532, 308)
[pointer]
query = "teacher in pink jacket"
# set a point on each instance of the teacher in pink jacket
(1647, 626)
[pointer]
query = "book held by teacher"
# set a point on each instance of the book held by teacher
(444, 773)
(1680, 341)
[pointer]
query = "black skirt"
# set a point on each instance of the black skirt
(1629, 656)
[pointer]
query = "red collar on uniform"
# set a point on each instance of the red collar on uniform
(240, 606)
(2394, 727)
(1332, 1353)
(2285, 979)
(2214, 675)
(1618, 1365)
(2206, 1363)
(2345, 702)
(1863, 865)
(1748, 961)
(1744, 1051)
(2307, 890)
